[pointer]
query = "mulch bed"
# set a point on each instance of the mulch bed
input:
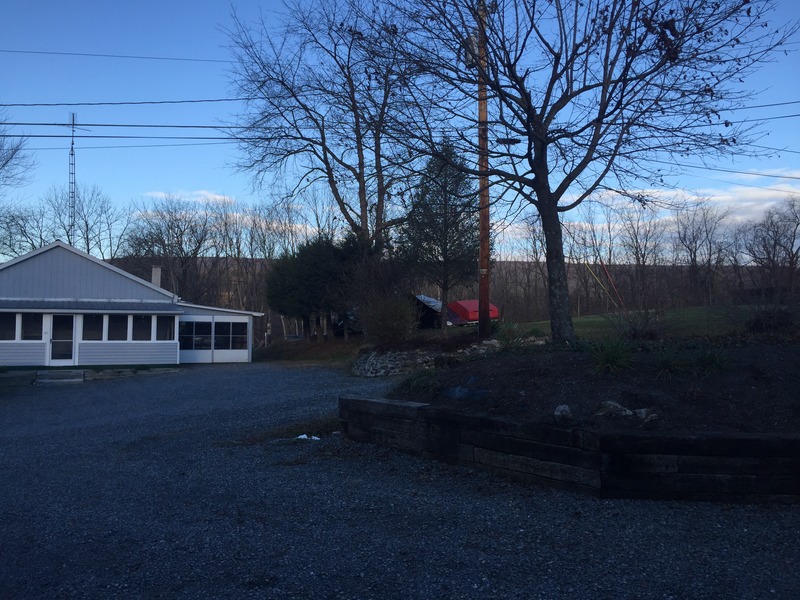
(737, 386)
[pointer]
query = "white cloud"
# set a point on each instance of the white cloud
(199, 196)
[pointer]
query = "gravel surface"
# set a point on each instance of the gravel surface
(145, 488)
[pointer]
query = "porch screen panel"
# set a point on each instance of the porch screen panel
(31, 326)
(165, 328)
(142, 328)
(8, 326)
(195, 335)
(186, 335)
(93, 327)
(239, 336)
(222, 335)
(117, 327)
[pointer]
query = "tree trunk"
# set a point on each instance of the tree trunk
(558, 289)
(443, 312)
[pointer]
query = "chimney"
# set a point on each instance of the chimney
(155, 278)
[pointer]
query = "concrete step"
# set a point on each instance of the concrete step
(58, 377)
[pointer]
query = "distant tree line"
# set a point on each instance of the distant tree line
(290, 258)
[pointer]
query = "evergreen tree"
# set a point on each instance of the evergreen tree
(308, 282)
(440, 238)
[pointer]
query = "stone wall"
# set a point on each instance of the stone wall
(743, 467)
(382, 364)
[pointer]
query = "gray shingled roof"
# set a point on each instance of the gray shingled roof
(93, 306)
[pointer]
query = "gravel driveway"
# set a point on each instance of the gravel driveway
(141, 488)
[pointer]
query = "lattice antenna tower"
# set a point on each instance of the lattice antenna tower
(72, 186)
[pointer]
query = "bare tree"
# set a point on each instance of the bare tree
(599, 94)
(773, 246)
(15, 162)
(703, 245)
(318, 100)
(99, 225)
(180, 236)
(22, 229)
(642, 239)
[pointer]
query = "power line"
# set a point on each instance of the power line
(127, 146)
(128, 56)
(773, 105)
(722, 170)
(132, 103)
(786, 150)
(747, 185)
(132, 125)
(117, 137)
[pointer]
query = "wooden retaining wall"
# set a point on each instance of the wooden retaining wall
(735, 467)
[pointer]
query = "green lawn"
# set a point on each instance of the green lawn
(681, 322)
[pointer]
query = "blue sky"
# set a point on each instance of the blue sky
(145, 28)
(133, 169)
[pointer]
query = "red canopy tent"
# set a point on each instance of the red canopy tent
(466, 311)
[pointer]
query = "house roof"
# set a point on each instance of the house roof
(53, 260)
(189, 308)
(77, 306)
(60, 278)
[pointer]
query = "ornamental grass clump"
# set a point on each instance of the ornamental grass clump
(711, 360)
(611, 355)
(668, 363)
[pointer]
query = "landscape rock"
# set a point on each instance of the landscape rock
(609, 408)
(646, 414)
(378, 364)
(563, 413)
(382, 364)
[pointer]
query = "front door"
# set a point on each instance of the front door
(62, 340)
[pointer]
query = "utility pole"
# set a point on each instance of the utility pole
(484, 325)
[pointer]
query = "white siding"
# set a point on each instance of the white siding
(215, 356)
(127, 353)
(23, 354)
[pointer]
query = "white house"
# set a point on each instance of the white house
(62, 307)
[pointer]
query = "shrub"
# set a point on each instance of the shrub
(771, 319)
(510, 335)
(421, 384)
(389, 321)
(638, 325)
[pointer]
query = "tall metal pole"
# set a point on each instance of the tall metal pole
(484, 325)
(72, 187)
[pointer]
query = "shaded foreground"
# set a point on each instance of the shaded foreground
(157, 487)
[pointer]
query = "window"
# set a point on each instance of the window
(195, 335)
(31, 326)
(165, 328)
(142, 328)
(202, 336)
(117, 327)
(222, 336)
(239, 336)
(230, 336)
(8, 326)
(186, 336)
(92, 327)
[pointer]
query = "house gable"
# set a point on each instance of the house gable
(60, 272)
